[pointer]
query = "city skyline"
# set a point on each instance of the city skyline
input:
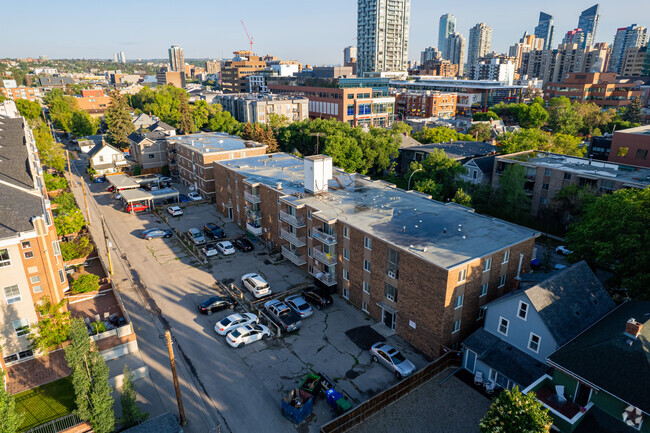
(316, 44)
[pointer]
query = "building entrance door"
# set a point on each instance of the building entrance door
(388, 318)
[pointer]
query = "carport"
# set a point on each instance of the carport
(122, 182)
(142, 196)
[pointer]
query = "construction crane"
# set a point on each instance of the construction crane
(250, 39)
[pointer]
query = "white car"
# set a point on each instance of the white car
(247, 334)
(256, 284)
(563, 250)
(175, 211)
(234, 321)
(210, 250)
(226, 248)
(195, 196)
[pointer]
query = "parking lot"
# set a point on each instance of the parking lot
(333, 341)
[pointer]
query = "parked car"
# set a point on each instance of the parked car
(183, 198)
(243, 244)
(100, 180)
(156, 233)
(210, 250)
(111, 188)
(117, 196)
(318, 296)
(194, 196)
(256, 284)
(283, 315)
(247, 334)
(298, 304)
(136, 207)
(392, 359)
(164, 179)
(563, 250)
(175, 211)
(226, 248)
(196, 236)
(216, 303)
(234, 321)
(214, 231)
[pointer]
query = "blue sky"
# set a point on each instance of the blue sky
(310, 31)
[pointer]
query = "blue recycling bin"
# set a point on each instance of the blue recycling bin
(332, 396)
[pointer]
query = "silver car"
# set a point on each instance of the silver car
(392, 359)
(298, 304)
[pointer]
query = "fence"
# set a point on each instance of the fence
(57, 425)
(391, 395)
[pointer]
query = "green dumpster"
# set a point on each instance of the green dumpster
(342, 405)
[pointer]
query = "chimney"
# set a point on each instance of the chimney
(633, 328)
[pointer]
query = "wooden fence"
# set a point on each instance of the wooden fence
(375, 404)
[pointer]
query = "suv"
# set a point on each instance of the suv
(214, 231)
(136, 207)
(196, 236)
(283, 315)
(318, 296)
(256, 284)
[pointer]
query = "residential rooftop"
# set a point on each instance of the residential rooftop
(433, 83)
(637, 177)
(458, 149)
(213, 142)
(447, 235)
(639, 130)
(260, 97)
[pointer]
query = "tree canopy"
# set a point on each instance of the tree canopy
(53, 328)
(535, 139)
(480, 131)
(440, 134)
(514, 412)
(10, 418)
(29, 109)
(118, 120)
(483, 116)
(437, 176)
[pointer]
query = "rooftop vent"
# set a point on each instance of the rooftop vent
(279, 186)
(633, 328)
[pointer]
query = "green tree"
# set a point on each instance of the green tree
(634, 111)
(563, 117)
(533, 116)
(201, 112)
(93, 394)
(185, 120)
(612, 233)
(76, 249)
(480, 131)
(428, 186)
(53, 328)
(67, 221)
(82, 124)
(51, 153)
(131, 413)
(118, 120)
(262, 134)
(593, 117)
(512, 203)
(442, 170)
(440, 134)
(53, 182)
(462, 198)
(526, 139)
(10, 418)
(65, 200)
(401, 128)
(85, 283)
(514, 412)
(483, 116)
(566, 145)
(277, 121)
(29, 109)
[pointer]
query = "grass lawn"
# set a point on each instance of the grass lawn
(46, 403)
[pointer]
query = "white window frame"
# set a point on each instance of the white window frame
(26, 244)
(364, 307)
(38, 289)
(35, 279)
(519, 309)
(13, 299)
(367, 243)
(23, 329)
(456, 327)
(62, 277)
(484, 289)
(7, 261)
(501, 319)
(481, 313)
(530, 340)
(506, 256)
(458, 303)
(346, 275)
(345, 292)
(462, 276)
(28, 255)
(367, 266)
(502, 280)
(487, 265)
(366, 287)
(346, 233)
(346, 254)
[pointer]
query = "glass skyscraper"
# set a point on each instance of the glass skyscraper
(588, 22)
(545, 30)
(447, 27)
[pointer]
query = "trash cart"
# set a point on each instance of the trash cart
(311, 383)
(333, 396)
(297, 405)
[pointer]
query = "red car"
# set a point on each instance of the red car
(136, 207)
(110, 188)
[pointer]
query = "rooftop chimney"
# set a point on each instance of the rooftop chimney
(633, 328)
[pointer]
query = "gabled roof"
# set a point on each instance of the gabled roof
(484, 163)
(138, 137)
(143, 119)
(55, 81)
(99, 147)
(161, 126)
(457, 150)
(611, 360)
(408, 141)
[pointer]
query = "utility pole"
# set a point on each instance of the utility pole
(318, 135)
(83, 189)
(67, 158)
(108, 243)
(172, 361)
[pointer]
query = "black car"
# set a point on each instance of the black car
(214, 231)
(216, 303)
(243, 244)
(318, 296)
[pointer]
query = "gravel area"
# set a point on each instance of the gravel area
(452, 407)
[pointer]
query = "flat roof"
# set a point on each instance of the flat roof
(122, 181)
(213, 142)
(457, 149)
(445, 234)
(130, 195)
(639, 130)
(592, 169)
(447, 82)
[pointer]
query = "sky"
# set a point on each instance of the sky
(310, 31)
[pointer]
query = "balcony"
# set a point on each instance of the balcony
(327, 279)
(325, 238)
(293, 257)
(295, 240)
(252, 198)
(322, 257)
(254, 229)
(253, 214)
(293, 220)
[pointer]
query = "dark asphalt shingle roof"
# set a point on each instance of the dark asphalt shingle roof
(457, 149)
(165, 423)
(161, 125)
(17, 208)
(137, 137)
(611, 360)
(597, 421)
(485, 163)
(55, 81)
(505, 358)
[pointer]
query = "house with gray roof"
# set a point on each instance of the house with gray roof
(461, 151)
(55, 82)
(522, 328)
(479, 170)
(149, 149)
(105, 158)
(143, 120)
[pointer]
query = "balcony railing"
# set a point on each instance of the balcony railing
(256, 230)
(253, 214)
(327, 279)
(295, 240)
(293, 220)
(293, 257)
(325, 238)
(252, 198)
(327, 258)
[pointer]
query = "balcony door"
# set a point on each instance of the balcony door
(582, 395)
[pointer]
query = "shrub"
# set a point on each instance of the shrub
(65, 201)
(76, 249)
(85, 283)
(98, 328)
(68, 221)
(53, 182)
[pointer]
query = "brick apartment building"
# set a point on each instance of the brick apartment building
(191, 157)
(356, 106)
(421, 267)
(426, 104)
(235, 72)
(93, 101)
(603, 89)
(31, 264)
(548, 173)
(631, 146)
(21, 92)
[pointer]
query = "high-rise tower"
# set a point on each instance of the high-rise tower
(447, 27)
(545, 30)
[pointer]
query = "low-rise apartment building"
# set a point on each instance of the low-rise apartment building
(21, 92)
(426, 104)
(603, 89)
(93, 101)
(547, 173)
(176, 79)
(258, 107)
(631, 146)
(191, 157)
(421, 267)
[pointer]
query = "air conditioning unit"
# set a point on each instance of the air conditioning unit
(392, 274)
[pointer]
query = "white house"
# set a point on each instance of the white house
(105, 158)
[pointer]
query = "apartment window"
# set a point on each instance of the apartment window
(547, 172)
(345, 292)
(309, 233)
(542, 200)
(484, 289)
(462, 276)
(151, 156)
(62, 275)
(309, 252)
(346, 275)
(366, 287)
(533, 342)
(57, 248)
(364, 306)
(35, 280)
(622, 151)
(367, 242)
(21, 327)
(522, 311)
(545, 186)
(390, 292)
(28, 254)
(26, 244)
(456, 326)
(366, 265)
(4, 258)
(487, 265)
(346, 233)
(12, 294)
(503, 326)
(459, 301)
(481, 313)
(502, 281)
(506, 256)
(308, 214)
(392, 263)
(567, 176)
(37, 289)
(346, 254)
(642, 154)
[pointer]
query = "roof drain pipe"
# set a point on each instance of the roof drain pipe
(518, 277)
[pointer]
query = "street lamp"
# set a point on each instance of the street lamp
(409, 184)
